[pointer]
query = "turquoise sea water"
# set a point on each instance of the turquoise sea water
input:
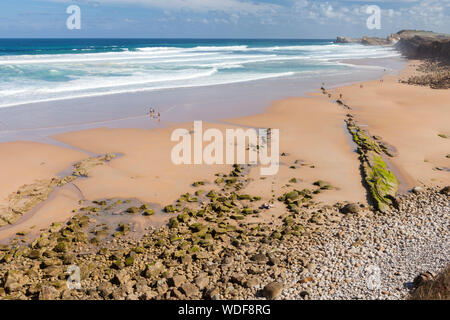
(34, 70)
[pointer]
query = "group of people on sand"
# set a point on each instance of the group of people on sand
(154, 115)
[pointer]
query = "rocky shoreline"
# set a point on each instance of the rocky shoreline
(432, 73)
(220, 242)
(413, 44)
(210, 249)
(30, 196)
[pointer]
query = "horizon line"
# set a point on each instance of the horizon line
(157, 38)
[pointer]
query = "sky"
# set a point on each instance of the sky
(305, 19)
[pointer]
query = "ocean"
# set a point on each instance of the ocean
(38, 70)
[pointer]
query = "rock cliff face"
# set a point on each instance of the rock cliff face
(373, 41)
(419, 47)
(414, 44)
(369, 41)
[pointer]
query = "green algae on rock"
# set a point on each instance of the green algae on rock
(382, 183)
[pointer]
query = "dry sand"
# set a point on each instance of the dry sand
(311, 130)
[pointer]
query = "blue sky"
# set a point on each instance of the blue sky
(219, 18)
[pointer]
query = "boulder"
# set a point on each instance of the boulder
(351, 208)
(259, 258)
(105, 289)
(212, 294)
(52, 271)
(153, 270)
(273, 290)
(293, 195)
(189, 290)
(48, 293)
(422, 278)
(121, 278)
(202, 281)
(132, 210)
(176, 281)
(418, 190)
(446, 191)
(34, 254)
(13, 281)
(251, 282)
(148, 212)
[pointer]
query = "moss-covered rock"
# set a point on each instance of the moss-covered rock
(148, 212)
(247, 211)
(124, 227)
(129, 261)
(212, 194)
(61, 247)
(293, 195)
(183, 217)
(170, 209)
(381, 182)
(196, 227)
(237, 216)
(230, 181)
(173, 223)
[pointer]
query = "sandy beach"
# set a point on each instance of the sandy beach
(312, 131)
(315, 145)
(206, 158)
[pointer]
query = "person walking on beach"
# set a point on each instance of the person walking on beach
(152, 113)
(159, 117)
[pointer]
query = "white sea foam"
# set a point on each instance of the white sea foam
(48, 77)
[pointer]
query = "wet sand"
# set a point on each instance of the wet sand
(37, 121)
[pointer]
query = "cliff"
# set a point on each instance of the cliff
(414, 44)
(420, 47)
(370, 41)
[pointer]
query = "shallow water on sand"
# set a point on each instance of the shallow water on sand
(37, 121)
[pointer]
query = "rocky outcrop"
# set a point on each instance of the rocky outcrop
(414, 44)
(369, 41)
(302, 254)
(29, 196)
(347, 40)
(434, 73)
(422, 47)
(374, 41)
(380, 181)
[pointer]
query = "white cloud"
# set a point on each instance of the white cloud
(228, 6)
(337, 15)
